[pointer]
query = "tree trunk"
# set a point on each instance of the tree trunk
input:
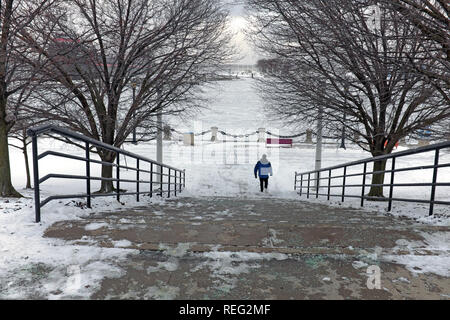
(25, 155)
(378, 178)
(107, 172)
(107, 186)
(6, 187)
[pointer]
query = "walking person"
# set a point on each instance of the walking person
(263, 168)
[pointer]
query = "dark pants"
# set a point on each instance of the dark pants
(263, 182)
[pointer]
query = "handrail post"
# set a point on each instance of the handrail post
(137, 179)
(37, 197)
(161, 172)
(151, 179)
(317, 184)
(168, 184)
(329, 185)
(88, 175)
(343, 183)
(118, 176)
(309, 184)
(391, 187)
(433, 186)
(301, 184)
(184, 179)
(363, 184)
(295, 181)
(175, 189)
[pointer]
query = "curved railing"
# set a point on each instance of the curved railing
(173, 178)
(306, 179)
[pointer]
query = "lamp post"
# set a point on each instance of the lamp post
(159, 135)
(318, 163)
(133, 85)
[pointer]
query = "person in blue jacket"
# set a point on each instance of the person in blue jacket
(263, 168)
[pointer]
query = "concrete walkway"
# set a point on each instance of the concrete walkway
(237, 248)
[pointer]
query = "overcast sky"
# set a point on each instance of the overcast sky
(237, 25)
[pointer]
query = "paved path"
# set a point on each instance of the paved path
(236, 248)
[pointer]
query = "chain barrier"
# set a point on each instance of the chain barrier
(202, 133)
(176, 131)
(254, 133)
(239, 135)
(285, 137)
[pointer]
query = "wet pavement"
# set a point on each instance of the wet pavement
(257, 248)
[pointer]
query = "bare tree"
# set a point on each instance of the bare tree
(431, 18)
(18, 137)
(103, 50)
(15, 77)
(21, 142)
(352, 58)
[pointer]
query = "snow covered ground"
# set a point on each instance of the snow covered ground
(226, 169)
(26, 257)
(212, 169)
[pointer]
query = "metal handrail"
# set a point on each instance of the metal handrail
(441, 145)
(176, 184)
(393, 156)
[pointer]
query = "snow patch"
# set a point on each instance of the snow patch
(169, 265)
(359, 264)
(401, 279)
(226, 265)
(178, 251)
(439, 265)
(163, 292)
(95, 226)
(272, 239)
(122, 243)
(234, 263)
(34, 266)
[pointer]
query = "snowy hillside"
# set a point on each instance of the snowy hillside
(226, 169)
